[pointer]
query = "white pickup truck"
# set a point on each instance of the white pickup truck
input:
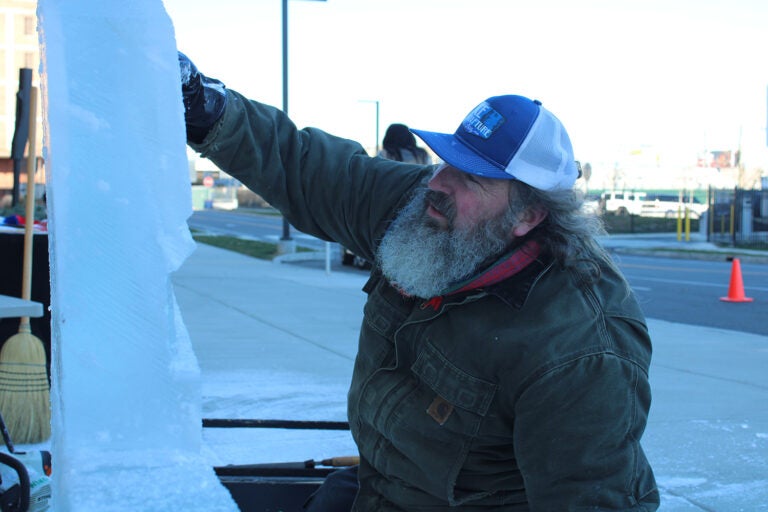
(648, 205)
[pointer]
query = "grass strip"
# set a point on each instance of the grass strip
(253, 248)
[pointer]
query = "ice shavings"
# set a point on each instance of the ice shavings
(733, 489)
(677, 481)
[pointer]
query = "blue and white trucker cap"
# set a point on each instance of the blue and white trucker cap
(509, 137)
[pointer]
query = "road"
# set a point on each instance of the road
(689, 291)
(676, 290)
(266, 226)
(261, 226)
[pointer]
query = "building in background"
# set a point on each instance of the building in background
(18, 49)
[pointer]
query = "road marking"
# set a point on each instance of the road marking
(692, 283)
(683, 268)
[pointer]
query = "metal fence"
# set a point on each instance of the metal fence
(738, 217)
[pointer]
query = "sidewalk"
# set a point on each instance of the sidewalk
(277, 341)
(668, 245)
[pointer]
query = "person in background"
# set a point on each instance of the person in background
(400, 144)
(503, 359)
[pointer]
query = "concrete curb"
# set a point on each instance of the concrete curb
(722, 255)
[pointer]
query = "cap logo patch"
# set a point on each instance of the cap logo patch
(483, 121)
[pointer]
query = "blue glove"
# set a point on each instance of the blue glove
(204, 100)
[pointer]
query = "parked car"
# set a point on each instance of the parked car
(620, 202)
(350, 258)
(669, 206)
(648, 204)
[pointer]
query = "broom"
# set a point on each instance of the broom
(24, 389)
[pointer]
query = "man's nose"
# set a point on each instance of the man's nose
(444, 179)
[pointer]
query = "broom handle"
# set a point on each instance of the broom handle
(29, 222)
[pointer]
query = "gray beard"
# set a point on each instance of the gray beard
(424, 260)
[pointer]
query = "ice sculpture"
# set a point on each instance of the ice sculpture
(126, 385)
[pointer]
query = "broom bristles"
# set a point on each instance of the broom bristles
(24, 390)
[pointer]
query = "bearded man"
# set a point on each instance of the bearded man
(503, 359)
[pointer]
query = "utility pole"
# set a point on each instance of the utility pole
(286, 244)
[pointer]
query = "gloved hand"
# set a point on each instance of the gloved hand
(204, 100)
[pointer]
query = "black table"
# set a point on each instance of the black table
(11, 269)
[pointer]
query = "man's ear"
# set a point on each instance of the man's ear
(532, 217)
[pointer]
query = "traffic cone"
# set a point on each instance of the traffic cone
(736, 288)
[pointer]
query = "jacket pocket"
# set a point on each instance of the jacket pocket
(432, 420)
(451, 383)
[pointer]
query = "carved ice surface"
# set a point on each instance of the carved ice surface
(126, 384)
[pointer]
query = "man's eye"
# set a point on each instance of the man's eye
(474, 180)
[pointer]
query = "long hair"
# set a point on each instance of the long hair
(569, 233)
(399, 137)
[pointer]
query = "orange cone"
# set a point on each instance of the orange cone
(736, 288)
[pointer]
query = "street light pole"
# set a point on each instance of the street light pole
(286, 244)
(285, 56)
(377, 122)
(377, 127)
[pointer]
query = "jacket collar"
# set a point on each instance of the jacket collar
(514, 293)
(504, 268)
(526, 263)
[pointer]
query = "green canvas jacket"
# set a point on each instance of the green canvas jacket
(530, 394)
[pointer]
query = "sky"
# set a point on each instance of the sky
(676, 78)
